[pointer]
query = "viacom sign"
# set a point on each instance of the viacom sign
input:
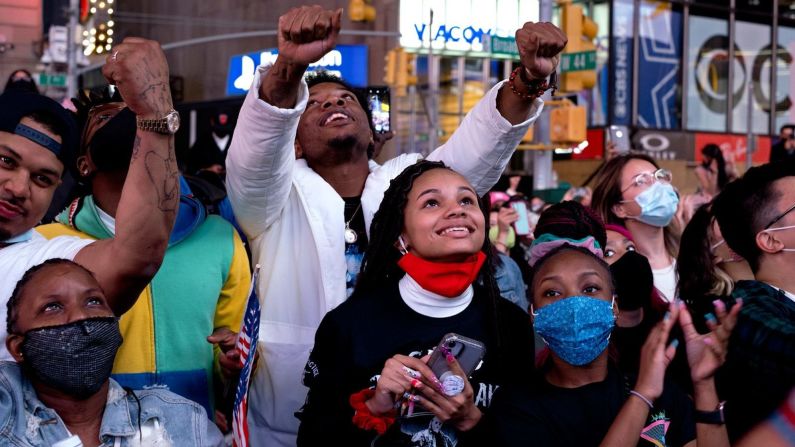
(346, 61)
(462, 25)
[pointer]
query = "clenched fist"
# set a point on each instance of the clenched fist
(139, 69)
(307, 33)
(539, 47)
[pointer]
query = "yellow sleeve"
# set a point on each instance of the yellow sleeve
(232, 302)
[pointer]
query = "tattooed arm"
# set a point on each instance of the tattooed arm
(149, 200)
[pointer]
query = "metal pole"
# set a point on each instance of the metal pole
(749, 143)
(433, 93)
(71, 48)
(542, 160)
(730, 81)
(773, 72)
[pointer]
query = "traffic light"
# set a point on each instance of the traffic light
(578, 61)
(361, 11)
(404, 75)
(390, 68)
(567, 125)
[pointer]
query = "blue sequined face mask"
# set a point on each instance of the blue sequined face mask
(576, 328)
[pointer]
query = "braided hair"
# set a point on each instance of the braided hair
(571, 220)
(12, 305)
(380, 268)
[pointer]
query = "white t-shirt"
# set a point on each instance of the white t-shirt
(17, 258)
(665, 281)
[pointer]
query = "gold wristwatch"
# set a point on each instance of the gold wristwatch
(168, 125)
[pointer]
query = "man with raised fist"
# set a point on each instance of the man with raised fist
(38, 139)
(304, 189)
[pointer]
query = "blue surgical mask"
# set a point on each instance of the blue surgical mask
(657, 204)
(576, 328)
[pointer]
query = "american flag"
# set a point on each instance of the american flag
(247, 345)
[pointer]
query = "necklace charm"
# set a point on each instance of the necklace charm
(350, 235)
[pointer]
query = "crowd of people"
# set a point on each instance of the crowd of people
(403, 303)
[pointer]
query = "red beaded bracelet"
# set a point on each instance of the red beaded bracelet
(535, 88)
(363, 418)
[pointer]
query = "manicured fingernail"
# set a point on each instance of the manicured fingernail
(708, 341)
(450, 358)
(667, 316)
(718, 304)
(416, 383)
(711, 318)
(675, 343)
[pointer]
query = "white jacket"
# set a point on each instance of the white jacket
(294, 221)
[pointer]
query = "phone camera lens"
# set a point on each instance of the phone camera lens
(451, 344)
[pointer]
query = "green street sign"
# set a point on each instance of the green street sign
(504, 45)
(585, 60)
(52, 80)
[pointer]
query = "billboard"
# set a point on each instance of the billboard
(347, 61)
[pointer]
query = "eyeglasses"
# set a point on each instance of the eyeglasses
(647, 178)
(780, 216)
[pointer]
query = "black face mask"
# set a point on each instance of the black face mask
(75, 358)
(634, 281)
(111, 147)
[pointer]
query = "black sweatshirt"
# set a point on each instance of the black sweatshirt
(354, 341)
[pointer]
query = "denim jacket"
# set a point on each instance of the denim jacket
(166, 419)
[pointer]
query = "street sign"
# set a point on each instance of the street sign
(504, 46)
(52, 79)
(584, 60)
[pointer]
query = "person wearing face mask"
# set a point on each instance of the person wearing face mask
(204, 279)
(419, 281)
(707, 267)
(64, 337)
(21, 81)
(632, 191)
(580, 398)
(756, 218)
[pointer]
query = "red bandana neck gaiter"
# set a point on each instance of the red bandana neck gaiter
(448, 279)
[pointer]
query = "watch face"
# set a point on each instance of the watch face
(172, 121)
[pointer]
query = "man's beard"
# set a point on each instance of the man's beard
(343, 142)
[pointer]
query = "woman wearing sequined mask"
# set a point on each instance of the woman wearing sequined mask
(580, 398)
(633, 191)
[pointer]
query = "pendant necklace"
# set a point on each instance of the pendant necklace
(350, 234)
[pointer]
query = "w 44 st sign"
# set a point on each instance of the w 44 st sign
(584, 60)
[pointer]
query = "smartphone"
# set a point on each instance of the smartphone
(467, 351)
(620, 136)
(521, 226)
(378, 99)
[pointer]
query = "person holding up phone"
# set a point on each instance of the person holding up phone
(426, 273)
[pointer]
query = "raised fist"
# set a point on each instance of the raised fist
(307, 33)
(539, 47)
(138, 68)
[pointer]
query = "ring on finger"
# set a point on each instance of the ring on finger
(115, 55)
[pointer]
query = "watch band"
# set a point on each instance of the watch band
(158, 125)
(714, 417)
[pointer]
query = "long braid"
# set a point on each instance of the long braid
(379, 265)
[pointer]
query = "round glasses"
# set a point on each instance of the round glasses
(645, 179)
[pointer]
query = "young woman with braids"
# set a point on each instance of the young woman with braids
(580, 397)
(419, 281)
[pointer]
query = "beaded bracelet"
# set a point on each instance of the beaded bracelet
(643, 398)
(535, 88)
(363, 418)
